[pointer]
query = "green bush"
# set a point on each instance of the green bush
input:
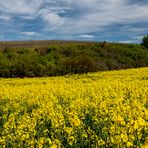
(145, 41)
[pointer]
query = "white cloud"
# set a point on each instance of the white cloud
(51, 17)
(31, 33)
(79, 16)
(138, 37)
(20, 6)
(5, 18)
(127, 41)
(94, 15)
(87, 36)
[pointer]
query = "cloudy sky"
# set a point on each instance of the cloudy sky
(99, 20)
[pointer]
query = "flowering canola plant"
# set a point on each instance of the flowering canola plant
(104, 109)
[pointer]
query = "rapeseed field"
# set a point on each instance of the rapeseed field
(104, 109)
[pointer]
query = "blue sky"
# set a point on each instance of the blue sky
(123, 21)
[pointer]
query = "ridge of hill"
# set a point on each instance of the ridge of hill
(52, 58)
(37, 43)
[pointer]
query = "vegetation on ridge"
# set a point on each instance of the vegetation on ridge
(70, 57)
(145, 41)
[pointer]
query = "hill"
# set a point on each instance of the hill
(52, 58)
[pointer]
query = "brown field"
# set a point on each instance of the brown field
(34, 43)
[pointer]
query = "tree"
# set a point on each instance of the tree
(145, 41)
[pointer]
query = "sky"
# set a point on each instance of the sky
(124, 21)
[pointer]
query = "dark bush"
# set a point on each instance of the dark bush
(145, 41)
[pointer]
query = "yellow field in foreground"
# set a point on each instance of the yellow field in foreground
(105, 109)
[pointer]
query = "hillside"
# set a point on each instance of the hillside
(52, 58)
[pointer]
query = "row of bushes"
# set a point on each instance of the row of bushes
(71, 58)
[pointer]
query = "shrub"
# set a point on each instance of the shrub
(145, 41)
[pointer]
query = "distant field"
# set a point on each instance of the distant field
(34, 43)
(104, 109)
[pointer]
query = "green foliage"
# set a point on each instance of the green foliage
(70, 57)
(145, 41)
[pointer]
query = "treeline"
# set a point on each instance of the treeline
(70, 58)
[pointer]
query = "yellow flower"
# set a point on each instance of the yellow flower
(129, 144)
(78, 108)
(101, 142)
(124, 137)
